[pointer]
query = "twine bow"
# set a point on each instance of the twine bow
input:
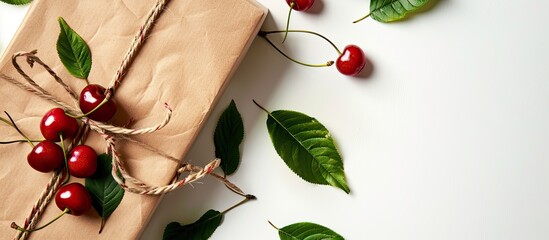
(109, 133)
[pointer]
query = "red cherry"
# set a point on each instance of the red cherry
(90, 97)
(82, 161)
(301, 5)
(56, 122)
(75, 197)
(351, 61)
(46, 156)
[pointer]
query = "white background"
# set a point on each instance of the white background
(447, 138)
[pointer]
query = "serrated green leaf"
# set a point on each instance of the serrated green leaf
(393, 10)
(307, 147)
(73, 51)
(202, 229)
(16, 2)
(228, 136)
(307, 231)
(105, 192)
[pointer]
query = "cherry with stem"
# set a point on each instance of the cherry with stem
(72, 198)
(56, 121)
(96, 104)
(350, 62)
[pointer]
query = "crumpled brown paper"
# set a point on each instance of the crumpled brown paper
(187, 60)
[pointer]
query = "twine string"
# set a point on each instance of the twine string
(136, 45)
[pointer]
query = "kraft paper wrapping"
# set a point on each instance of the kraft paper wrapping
(187, 60)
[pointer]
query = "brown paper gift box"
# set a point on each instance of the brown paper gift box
(187, 60)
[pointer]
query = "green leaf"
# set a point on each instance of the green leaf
(307, 147)
(16, 2)
(392, 10)
(227, 138)
(73, 51)
(105, 192)
(307, 231)
(199, 230)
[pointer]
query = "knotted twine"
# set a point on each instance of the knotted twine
(108, 132)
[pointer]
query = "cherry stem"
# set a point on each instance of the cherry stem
(264, 36)
(292, 4)
(15, 226)
(12, 124)
(308, 32)
(362, 18)
(273, 225)
(20, 141)
(105, 100)
(248, 197)
(65, 158)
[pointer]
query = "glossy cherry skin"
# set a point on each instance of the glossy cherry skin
(45, 157)
(56, 122)
(351, 61)
(301, 5)
(82, 161)
(90, 97)
(75, 197)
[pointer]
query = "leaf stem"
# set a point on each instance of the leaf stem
(257, 104)
(292, 4)
(12, 124)
(273, 225)
(263, 35)
(102, 225)
(248, 197)
(15, 226)
(362, 18)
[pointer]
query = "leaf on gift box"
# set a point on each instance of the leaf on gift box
(73, 51)
(393, 10)
(306, 231)
(16, 2)
(202, 229)
(228, 136)
(307, 147)
(105, 192)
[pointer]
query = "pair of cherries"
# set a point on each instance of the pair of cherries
(351, 61)
(81, 161)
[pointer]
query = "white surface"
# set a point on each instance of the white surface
(447, 139)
